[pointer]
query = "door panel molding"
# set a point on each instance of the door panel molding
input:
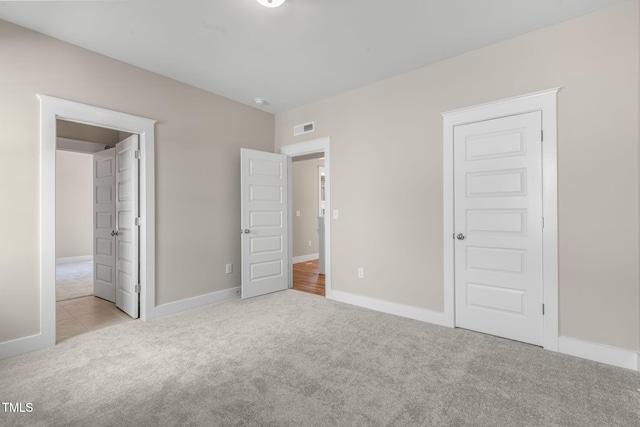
(127, 238)
(264, 203)
(104, 224)
(546, 103)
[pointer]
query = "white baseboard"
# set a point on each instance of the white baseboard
(599, 353)
(401, 310)
(24, 345)
(585, 350)
(70, 259)
(195, 302)
(304, 258)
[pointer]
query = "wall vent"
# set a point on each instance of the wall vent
(302, 129)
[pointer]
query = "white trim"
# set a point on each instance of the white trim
(23, 345)
(70, 259)
(599, 353)
(508, 102)
(546, 102)
(304, 258)
(195, 302)
(51, 109)
(415, 313)
(320, 145)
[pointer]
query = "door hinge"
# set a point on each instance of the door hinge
(541, 136)
(138, 154)
(138, 221)
(542, 222)
(543, 309)
(137, 289)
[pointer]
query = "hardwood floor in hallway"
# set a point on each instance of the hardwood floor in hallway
(307, 279)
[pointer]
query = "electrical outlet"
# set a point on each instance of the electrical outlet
(229, 268)
(335, 214)
(309, 242)
(360, 273)
(297, 213)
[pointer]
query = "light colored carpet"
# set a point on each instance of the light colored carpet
(295, 359)
(74, 280)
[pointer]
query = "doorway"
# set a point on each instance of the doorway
(305, 151)
(486, 276)
(51, 110)
(266, 217)
(309, 215)
(83, 202)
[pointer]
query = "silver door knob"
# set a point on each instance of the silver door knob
(460, 236)
(247, 231)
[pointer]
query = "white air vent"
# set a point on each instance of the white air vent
(302, 129)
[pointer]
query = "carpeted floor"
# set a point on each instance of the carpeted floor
(74, 280)
(295, 359)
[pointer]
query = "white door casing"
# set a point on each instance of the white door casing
(104, 224)
(264, 205)
(546, 103)
(52, 109)
(127, 234)
(498, 226)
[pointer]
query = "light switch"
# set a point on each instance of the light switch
(297, 213)
(335, 214)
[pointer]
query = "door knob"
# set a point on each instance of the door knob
(460, 236)
(114, 233)
(247, 231)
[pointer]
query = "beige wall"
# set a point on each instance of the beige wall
(305, 187)
(198, 137)
(386, 160)
(88, 133)
(74, 207)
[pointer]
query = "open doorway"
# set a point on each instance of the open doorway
(267, 217)
(52, 109)
(79, 307)
(312, 150)
(309, 209)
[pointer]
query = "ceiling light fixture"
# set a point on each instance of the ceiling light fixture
(271, 3)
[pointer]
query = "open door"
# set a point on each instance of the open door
(127, 232)
(264, 207)
(104, 224)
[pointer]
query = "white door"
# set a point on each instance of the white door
(498, 227)
(127, 236)
(104, 224)
(264, 194)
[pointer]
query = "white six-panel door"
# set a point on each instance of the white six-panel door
(264, 182)
(104, 224)
(127, 238)
(498, 227)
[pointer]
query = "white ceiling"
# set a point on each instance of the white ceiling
(302, 51)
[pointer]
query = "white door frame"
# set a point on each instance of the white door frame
(546, 102)
(320, 145)
(52, 109)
